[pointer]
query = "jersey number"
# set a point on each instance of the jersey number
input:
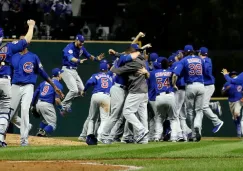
(45, 90)
(161, 84)
(195, 69)
(104, 83)
(2, 57)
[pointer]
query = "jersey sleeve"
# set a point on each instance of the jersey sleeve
(178, 69)
(60, 87)
(225, 85)
(17, 46)
(86, 54)
(236, 80)
(68, 53)
(40, 70)
(90, 82)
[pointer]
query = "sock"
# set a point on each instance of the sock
(235, 122)
(42, 125)
(48, 129)
(238, 120)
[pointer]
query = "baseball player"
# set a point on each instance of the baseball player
(209, 89)
(71, 59)
(180, 99)
(26, 65)
(44, 99)
(7, 51)
(118, 94)
(83, 134)
(192, 68)
(137, 98)
(165, 99)
(234, 93)
(100, 100)
(152, 58)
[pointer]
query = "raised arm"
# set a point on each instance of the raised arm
(141, 34)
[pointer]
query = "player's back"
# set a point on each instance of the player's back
(163, 80)
(180, 81)
(103, 82)
(193, 69)
(47, 92)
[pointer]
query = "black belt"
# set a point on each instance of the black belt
(208, 84)
(163, 93)
(70, 67)
(181, 87)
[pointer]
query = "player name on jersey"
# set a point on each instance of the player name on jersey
(194, 60)
(161, 74)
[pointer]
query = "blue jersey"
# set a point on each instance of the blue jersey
(234, 93)
(121, 79)
(208, 73)
(151, 87)
(162, 79)
(46, 92)
(26, 67)
(7, 52)
(237, 80)
(180, 81)
(192, 68)
(71, 51)
(102, 82)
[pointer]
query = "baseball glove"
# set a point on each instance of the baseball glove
(34, 112)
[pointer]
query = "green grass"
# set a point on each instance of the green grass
(205, 155)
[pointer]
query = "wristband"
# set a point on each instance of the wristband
(78, 61)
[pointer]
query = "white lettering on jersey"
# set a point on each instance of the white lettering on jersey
(161, 74)
(194, 60)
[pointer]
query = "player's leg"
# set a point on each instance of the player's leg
(27, 92)
(15, 104)
(187, 132)
(158, 121)
(5, 97)
(131, 105)
(117, 129)
(235, 108)
(69, 77)
(199, 101)
(104, 101)
(128, 136)
(216, 107)
(118, 96)
(189, 99)
(151, 119)
(94, 107)
(143, 116)
(209, 90)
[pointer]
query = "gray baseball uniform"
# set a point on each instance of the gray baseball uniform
(209, 90)
(74, 84)
(48, 113)
(118, 96)
(166, 106)
(137, 97)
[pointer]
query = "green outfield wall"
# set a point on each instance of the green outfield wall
(50, 54)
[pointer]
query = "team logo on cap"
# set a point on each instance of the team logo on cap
(28, 67)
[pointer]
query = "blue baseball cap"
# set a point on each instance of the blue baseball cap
(178, 52)
(103, 66)
(80, 38)
(153, 57)
(157, 63)
(136, 47)
(56, 72)
(172, 58)
(203, 51)
(233, 73)
(91, 139)
(188, 48)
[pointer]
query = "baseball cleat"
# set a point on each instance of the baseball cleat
(219, 109)
(83, 139)
(24, 144)
(116, 140)
(217, 128)
(3, 144)
(141, 136)
(128, 141)
(198, 135)
(41, 133)
(106, 141)
(156, 140)
(180, 139)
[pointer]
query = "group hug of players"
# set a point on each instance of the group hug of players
(152, 98)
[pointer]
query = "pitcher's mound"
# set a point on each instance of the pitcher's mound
(14, 140)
